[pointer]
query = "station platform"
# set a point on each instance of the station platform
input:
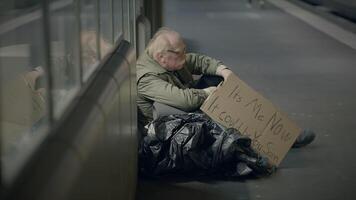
(301, 62)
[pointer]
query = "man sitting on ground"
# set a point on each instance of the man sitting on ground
(164, 76)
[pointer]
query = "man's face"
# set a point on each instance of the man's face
(175, 59)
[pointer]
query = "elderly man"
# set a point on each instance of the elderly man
(164, 75)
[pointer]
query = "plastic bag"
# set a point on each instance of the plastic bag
(192, 144)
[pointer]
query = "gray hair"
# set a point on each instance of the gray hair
(160, 41)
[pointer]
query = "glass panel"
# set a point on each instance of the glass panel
(23, 81)
(132, 22)
(106, 29)
(126, 25)
(89, 37)
(64, 36)
(118, 19)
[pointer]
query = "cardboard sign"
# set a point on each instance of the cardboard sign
(235, 104)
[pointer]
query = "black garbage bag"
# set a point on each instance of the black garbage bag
(192, 144)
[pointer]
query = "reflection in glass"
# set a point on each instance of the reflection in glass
(74, 38)
(64, 43)
(118, 19)
(126, 20)
(89, 36)
(23, 101)
(106, 29)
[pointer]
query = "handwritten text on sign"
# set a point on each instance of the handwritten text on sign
(235, 104)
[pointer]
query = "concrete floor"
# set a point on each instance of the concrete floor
(302, 70)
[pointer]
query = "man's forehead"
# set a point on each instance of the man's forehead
(175, 40)
(180, 45)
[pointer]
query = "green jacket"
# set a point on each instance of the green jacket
(154, 83)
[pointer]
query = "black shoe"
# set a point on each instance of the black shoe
(306, 137)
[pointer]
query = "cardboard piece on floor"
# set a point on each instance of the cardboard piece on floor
(235, 104)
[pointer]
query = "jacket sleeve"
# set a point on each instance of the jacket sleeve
(201, 64)
(158, 90)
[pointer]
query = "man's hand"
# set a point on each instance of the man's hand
(210, 90)
(223, 71)
(226, 73)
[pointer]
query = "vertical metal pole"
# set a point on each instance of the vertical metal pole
(122, 19)
(132, 22)
(1, 129)
(79, 32)
(126, 24)
(98, 35)
(129, 21)
(47, 54)
(111, 5)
